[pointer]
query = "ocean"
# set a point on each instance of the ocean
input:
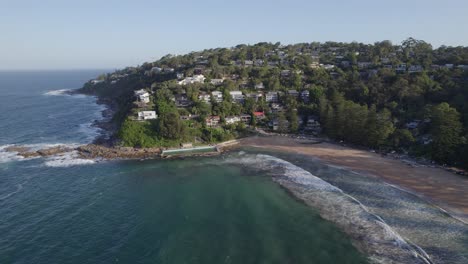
(234, 208)
(204, 210)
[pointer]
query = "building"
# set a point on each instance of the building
(271, 97)
(305, 96)
(313, 126)
(217, 81)
(293, 93)
(259, 86)
(142, 96)
(147, 115)
(401, 68)
(245, 118)
(255, 96)
(212, 121)
(364, 65)
(237, 96)
(232, 119)
(194, 79)
(204, 97)
(415, 68)
(217, 96)
(259, 115)
(181, 100)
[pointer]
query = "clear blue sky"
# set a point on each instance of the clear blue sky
(63, 34)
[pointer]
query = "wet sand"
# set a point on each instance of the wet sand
(444, 189)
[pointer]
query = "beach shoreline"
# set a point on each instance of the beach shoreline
(439, 187)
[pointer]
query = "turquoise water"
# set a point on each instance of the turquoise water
(66, 210)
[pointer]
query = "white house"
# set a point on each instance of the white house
(204, 97)
(232, 119)
(415, 68)
(142, 96)
(218, 96)
(237, 96)
(217, 81)
(194, 79)
(259, 86)
(147, 115)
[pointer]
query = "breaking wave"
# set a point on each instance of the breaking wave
(67, 159)
(64, 92)
(369, 231)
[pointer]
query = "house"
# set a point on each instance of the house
(276, 108)
(401, 68)
(97, 81)
(237, 96)
(413, 124)
(246, 118)
(293, 93)
(194, 79)
(248, 63)
(327, 66)
(276, 124)
(415, 68)
(259, 62)
(345, 64)
(385, 60)
(273, 63)
(212, 121)
(305, 96)
(271, 97)
(168, 70)
(217, 81)
(364, 65)
(147, 115)
(181, 100)
(313, 126)
(189, 117)
(199, 70)
(186, 145)
(179, 76)
(142, 96)
(259, 86)
(255, 96)
(156, 70)
(204, 97)
(285, 73)
(232, 119)
(259, 115)
(217, 96)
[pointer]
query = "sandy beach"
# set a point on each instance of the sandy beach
(444, 189)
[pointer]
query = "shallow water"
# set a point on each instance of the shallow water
(181, 211)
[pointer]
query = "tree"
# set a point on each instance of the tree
(446, 131)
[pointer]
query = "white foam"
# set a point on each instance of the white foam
(60, 92)
(67, 159)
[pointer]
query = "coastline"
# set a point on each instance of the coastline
(444, 189)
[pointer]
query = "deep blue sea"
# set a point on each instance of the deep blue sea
(224, 209)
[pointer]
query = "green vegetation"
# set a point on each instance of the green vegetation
(407, 97)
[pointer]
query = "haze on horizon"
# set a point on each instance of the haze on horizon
(54, 34)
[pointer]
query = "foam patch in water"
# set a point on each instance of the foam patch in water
(67, 159)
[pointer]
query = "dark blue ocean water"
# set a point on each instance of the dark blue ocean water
(66, 210)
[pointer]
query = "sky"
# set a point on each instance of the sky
(104, 34)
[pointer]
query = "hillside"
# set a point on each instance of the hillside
(409, 97)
